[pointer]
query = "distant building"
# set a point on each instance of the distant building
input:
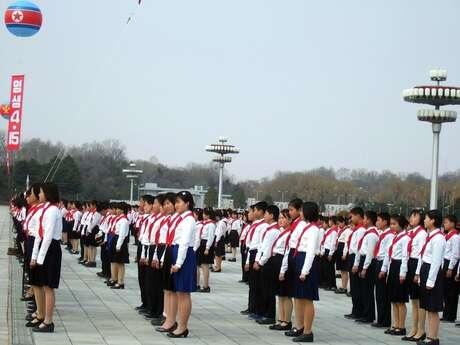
(333, 209)
(198, 193)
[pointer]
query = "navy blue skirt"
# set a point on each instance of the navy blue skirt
(307, 289)
(185, 279)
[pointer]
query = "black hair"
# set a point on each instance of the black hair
(296, 203)
(435, 215)
(341, 219)
(122, 206)
(261, 206)
(223, 213)
(372, 216)
(357, 211)
(385, 216)
(186, 197)
(401, 220)
(35, 189)
(252, 207)
(149, 199)
(274, 211)
(160, 198)
(103, 205)
(209, 211)
(452, 218)
(285, 213)
(171, 197)
(199, 213)
(310, 211)
(77, 205)
(51, 192)
(420, 213)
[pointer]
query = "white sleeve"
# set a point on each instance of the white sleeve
(371, 243)
(437, 256)
(49, 222)
(36, 248)
(310, 252)
(210, 235)
(269, 239)
(454, 252)
(187, 236)
(334, 237)
(284, 263)
(122, 233)
(404, 260)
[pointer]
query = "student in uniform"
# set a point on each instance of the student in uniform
(266, 264)
(46, 258)
(205, 247)
(234, 234)
(358, 230)
(366, 268)
(75, 233)
(91, 231)
(63, 208)
(429, 275)
(221, 229)
(247, 220)
(323, 225)
(258, 227)
(146, 205)
(82, 229)
(104, 226)
(344, 232)
(307, 270)
(31, 225)
(450, 267)
(118, 247)
(328, 250)
(395, 264)
(284, 291)
(181, 237)
(288, 267)
(381, 290)
(417, 235)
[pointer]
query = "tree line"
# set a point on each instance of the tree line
(94, 171)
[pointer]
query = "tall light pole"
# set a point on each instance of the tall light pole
(222, 149)
(132, 174)
(437, 96)
(282, 194)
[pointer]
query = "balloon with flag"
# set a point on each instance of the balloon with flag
(23, 18)
(5, 111)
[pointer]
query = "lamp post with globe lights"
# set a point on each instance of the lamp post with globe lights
(436, 95)
(222, 149)
(132, 174)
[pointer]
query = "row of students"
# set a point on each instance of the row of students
(42, 229)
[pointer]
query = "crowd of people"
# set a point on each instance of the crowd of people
(382, 260)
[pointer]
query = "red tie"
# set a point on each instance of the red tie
(300, 237)
(412, 236)
(369, 231)
(40, 228)
(381, 238)
(428, 239)
(330, 231)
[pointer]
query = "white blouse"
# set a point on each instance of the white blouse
(387, 237)
(417, 242)
(452, 252)
(310, 246)
(264, 251)
(368, 244)
(52, 230)
(399, 252)
(184, 236)
(122, 230)
(433, 255)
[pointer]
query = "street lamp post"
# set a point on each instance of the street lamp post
(437, 96)
(222, 149)
(282, 194)
(132, 174)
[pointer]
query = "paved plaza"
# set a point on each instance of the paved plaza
(89, 313)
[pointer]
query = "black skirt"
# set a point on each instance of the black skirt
(290, 275)
(66, 226)
(431, 300)
(49, 273)
(234, 239)
(204, 259)
(414, 289)
(168, 281)
(90, 238)
(121, 257)
(75, 235)
(398, 292)
(151, 251)
(341, 265)
(220, 247)
(282, 287)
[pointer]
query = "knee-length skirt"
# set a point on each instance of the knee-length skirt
(234, 239)
(122, 256)
(49, 273)
(398, 293)
(341, 265)
(307, 289)
(185, 279)
(432, 299)
(205, 259)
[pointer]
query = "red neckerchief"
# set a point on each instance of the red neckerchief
(381, 238)
(175, 224)
(40, 228)
(371, 230)
(450, 234)
(155, 219)
(206, 222)
(244, 232)
(412, 234)
(307, 227)
(327, 234)
(280, 235)
(143, 220)
(165, 220)
(253, 227)
(428, 239)
(396, 240)
(122, 216)
(114, 221)
(274, 226)
(34, 209)
(351, 235)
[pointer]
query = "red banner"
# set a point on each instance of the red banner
(13, 140)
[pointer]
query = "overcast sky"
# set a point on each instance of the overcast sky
(295, 84)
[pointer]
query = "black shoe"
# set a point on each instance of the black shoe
(118, 287)
(100, 274)
(161, 329)
(265, 321)
(294, 332)
(350, 316)
(31, 323)
(304, 338)
(363, 321)
(280, 327)
(422, 338)
(157, 322)
(141, 307)
(90, 264)
(46, 329)
(242, 281)
(184, 334)
(244, 312)
(232, 260)
(26, 299)
(111, 283)
(399, 331)
(389, 330)
(207, 289)
(348, 294)
(429, 342)
(29, 317)
(406, 338)
(149, 316)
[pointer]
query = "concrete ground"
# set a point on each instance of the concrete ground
(87, 312)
